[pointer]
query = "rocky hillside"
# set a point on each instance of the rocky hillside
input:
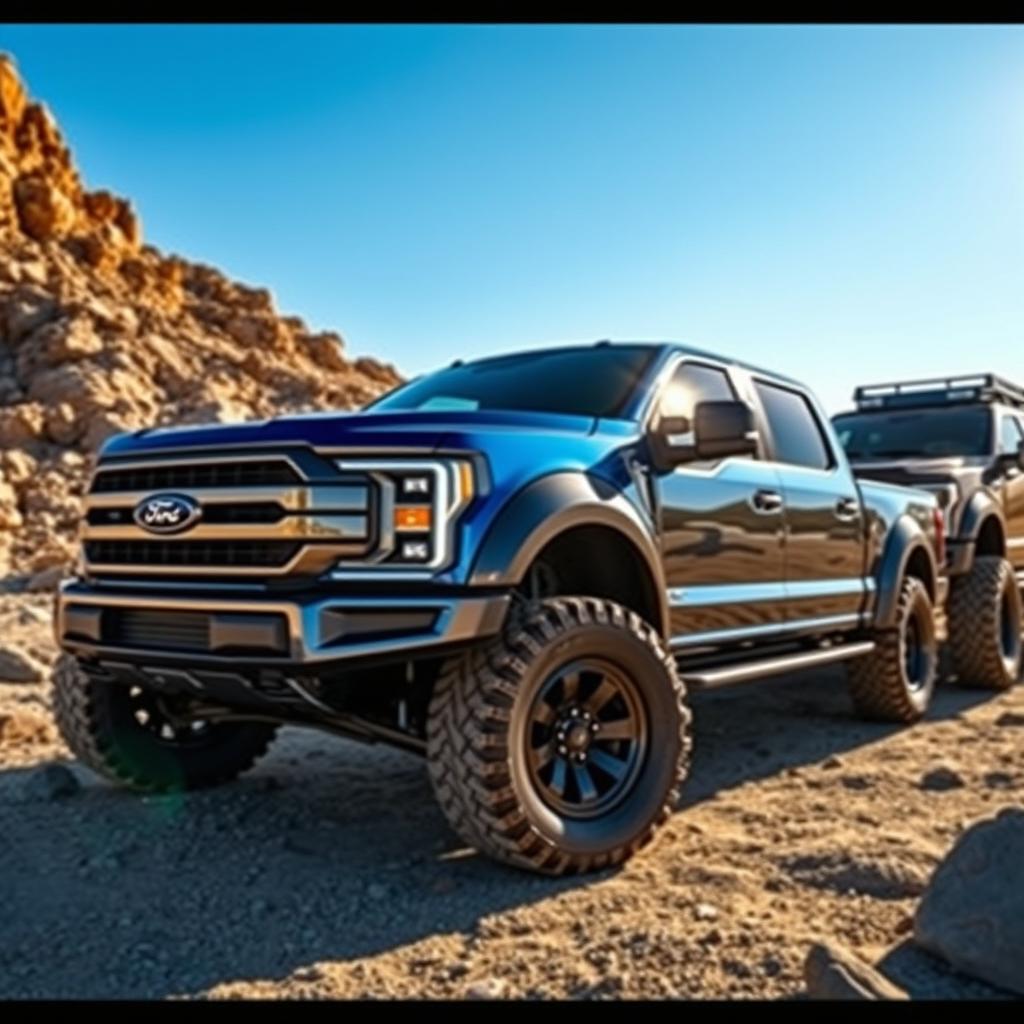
(101, 333)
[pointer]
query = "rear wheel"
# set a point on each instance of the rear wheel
(985, 625)
(896, 681)
(562, 745)
(135, 737)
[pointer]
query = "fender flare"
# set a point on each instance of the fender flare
(550, 506)
(981, 507)
(905, 539)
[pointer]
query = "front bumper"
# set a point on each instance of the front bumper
(315, 630)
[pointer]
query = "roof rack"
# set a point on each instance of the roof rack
(978, 387)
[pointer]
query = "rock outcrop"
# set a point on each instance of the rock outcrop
(101, 333)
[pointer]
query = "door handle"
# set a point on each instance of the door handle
(766, 502)
(847, 508)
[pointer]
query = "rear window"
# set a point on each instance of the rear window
(923, 433)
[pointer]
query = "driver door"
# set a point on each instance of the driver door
(721, 529)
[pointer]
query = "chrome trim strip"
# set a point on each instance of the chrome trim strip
(316, 527)
(291, 497)
(705, 595)
(770, 629)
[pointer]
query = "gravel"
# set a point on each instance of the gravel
(329, 872)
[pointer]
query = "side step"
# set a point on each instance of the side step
(707, 679)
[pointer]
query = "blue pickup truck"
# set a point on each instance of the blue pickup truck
(517, 567)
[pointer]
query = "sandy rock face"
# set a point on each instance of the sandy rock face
(972, 914)
(100, 333)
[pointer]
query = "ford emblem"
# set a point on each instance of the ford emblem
(167, 513)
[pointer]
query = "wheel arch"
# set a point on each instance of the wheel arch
(575, 511)
(983, 528)
(907, 553)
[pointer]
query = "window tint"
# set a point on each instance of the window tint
(1009, 435)
(693, 383)
(795, 428)
(926, 433)
(591, 381)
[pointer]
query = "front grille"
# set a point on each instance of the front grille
(199, 553)
(164, 630)
(274, 514)
(185, 476)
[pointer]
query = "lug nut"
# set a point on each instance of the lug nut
(575, 712)
(595, 727)
(563, 751)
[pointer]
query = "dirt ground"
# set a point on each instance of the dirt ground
(328, 870)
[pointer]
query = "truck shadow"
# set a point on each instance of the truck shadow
(329, 851)
(762, 728)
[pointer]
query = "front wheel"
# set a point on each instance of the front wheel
(562, 745)
(133, 736)
(896, 681)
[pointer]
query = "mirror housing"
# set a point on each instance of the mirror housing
(1013, 460)
(718, 430)
(724, 428)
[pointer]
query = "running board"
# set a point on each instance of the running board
(713, 677)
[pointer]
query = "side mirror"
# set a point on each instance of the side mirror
(724, 428)
(672, 442)
(1013, 460)
(718, 429)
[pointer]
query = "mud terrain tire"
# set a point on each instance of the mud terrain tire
(896, 681)
(985, 625)
(579, 675)
(100, 722)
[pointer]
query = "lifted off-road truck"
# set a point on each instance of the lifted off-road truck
(962, 438)
(515, 566)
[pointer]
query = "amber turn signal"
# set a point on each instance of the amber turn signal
(413, 517)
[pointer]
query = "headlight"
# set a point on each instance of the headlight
(419, 503)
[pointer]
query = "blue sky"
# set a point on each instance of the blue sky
(845, 204)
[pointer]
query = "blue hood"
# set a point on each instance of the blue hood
(344, 429)
(518, 445)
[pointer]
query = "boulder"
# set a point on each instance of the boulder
(17, 667)
(834, 973)
(972, 912)
(44, 211)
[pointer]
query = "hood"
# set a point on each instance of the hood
(518, 445)
(343, 429)
(951, 480)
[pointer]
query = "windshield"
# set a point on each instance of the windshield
(595, 381)
(924, 433)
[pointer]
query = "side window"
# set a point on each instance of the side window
(1009, 435)
(693, 383)
(799, 439)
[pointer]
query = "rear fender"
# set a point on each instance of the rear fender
(906, 538)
